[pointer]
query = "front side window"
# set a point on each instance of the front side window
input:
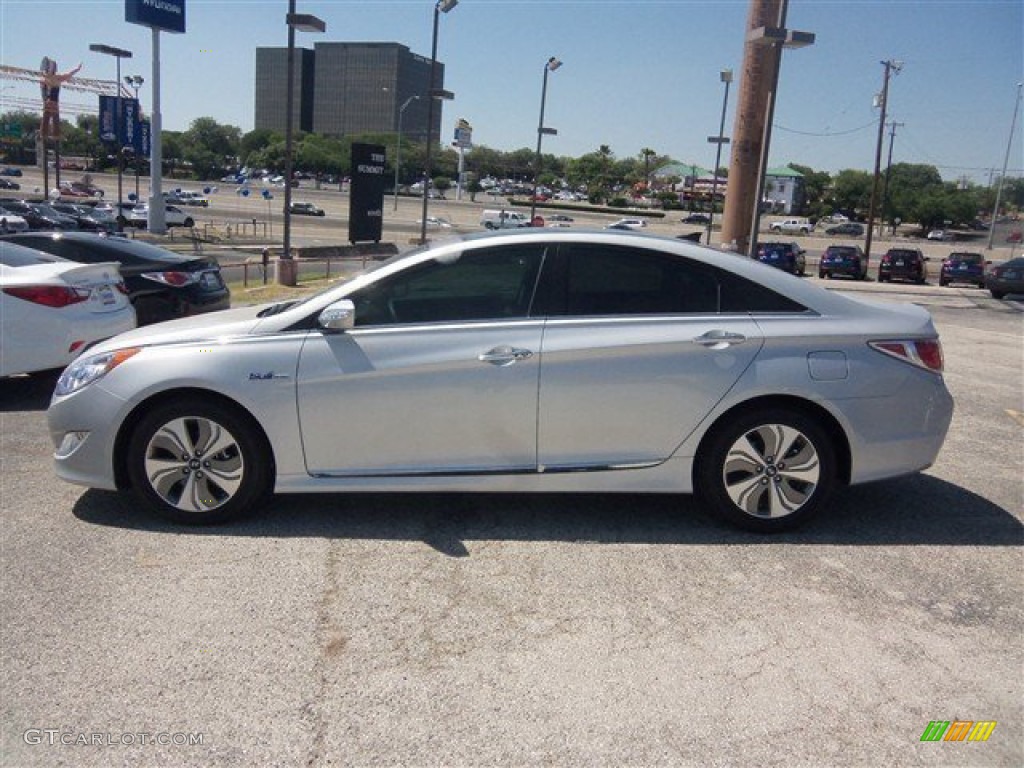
(482, 284)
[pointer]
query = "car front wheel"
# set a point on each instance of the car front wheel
(199, 463)
(768, 470)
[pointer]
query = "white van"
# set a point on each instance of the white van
(503, 219)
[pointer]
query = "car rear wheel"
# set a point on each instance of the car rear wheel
(768, 470)
(997, 294)
(189, 222)
(199, 463)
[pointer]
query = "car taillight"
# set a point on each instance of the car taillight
(122, 288)
(172, 278)
(924, 353)
(48, 295)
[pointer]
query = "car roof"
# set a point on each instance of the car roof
(111, 247)
(802, 291)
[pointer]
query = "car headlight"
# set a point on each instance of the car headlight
(86, 370)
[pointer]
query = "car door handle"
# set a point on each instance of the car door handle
(504, 355)
(719, 339)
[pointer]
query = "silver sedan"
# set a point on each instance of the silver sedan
(541, 360)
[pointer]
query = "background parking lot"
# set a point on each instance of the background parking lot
(530, 629)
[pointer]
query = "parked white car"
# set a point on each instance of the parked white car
(628, 223)
(12, 222)
(173, 217)
(54, 309)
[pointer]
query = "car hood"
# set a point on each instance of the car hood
(212, 326)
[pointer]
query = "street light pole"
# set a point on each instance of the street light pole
(287, 275)
(398, 146)
(135, 83)
(549, 66)
(442, 6)
(888, 169)
(1002, 178)
(726, 77)
(117, 53)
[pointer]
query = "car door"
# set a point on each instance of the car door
(634, 357)
(438, 376)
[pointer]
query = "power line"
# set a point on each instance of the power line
(827, 133)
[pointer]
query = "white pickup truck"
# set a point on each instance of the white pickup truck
(793, 226)
(494, 219)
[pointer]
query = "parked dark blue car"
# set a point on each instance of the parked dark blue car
(963, 268)
(785, 256)
(848, 260)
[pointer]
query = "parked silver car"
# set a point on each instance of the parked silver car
(539, 360)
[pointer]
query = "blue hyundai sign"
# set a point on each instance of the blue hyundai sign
(128, 129)
(168, 15)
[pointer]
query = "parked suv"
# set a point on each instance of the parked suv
(846, 260)
(793, 226)
(785, 256)
(963, 268)
(903, 264)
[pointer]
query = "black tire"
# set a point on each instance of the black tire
(997, 294)
(943, 283)
(172, 477)
(823, 275)
(189, 223)
(738, 474)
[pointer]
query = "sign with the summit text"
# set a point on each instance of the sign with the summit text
(366, 197)
(168, 15)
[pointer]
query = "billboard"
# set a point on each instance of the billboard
(463, 134)
(366, 197)
(168, 15)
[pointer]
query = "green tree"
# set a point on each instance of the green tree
(254, 141)
(816, 186)
(851, 192)
(909, 185)
(211, 147)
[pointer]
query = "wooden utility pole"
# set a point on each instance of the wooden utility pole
(760, 63)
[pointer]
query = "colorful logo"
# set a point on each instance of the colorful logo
(958, 730)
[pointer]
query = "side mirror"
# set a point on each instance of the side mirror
(339, 316)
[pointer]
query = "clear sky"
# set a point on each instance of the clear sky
(637, 73)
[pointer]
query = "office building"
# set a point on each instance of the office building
(348, 88)
(271, 89)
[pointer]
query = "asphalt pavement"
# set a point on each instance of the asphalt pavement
(520, 630)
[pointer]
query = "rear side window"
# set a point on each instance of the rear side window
(12, 255)
(613, 280)
(66, 250)
(602, 280)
